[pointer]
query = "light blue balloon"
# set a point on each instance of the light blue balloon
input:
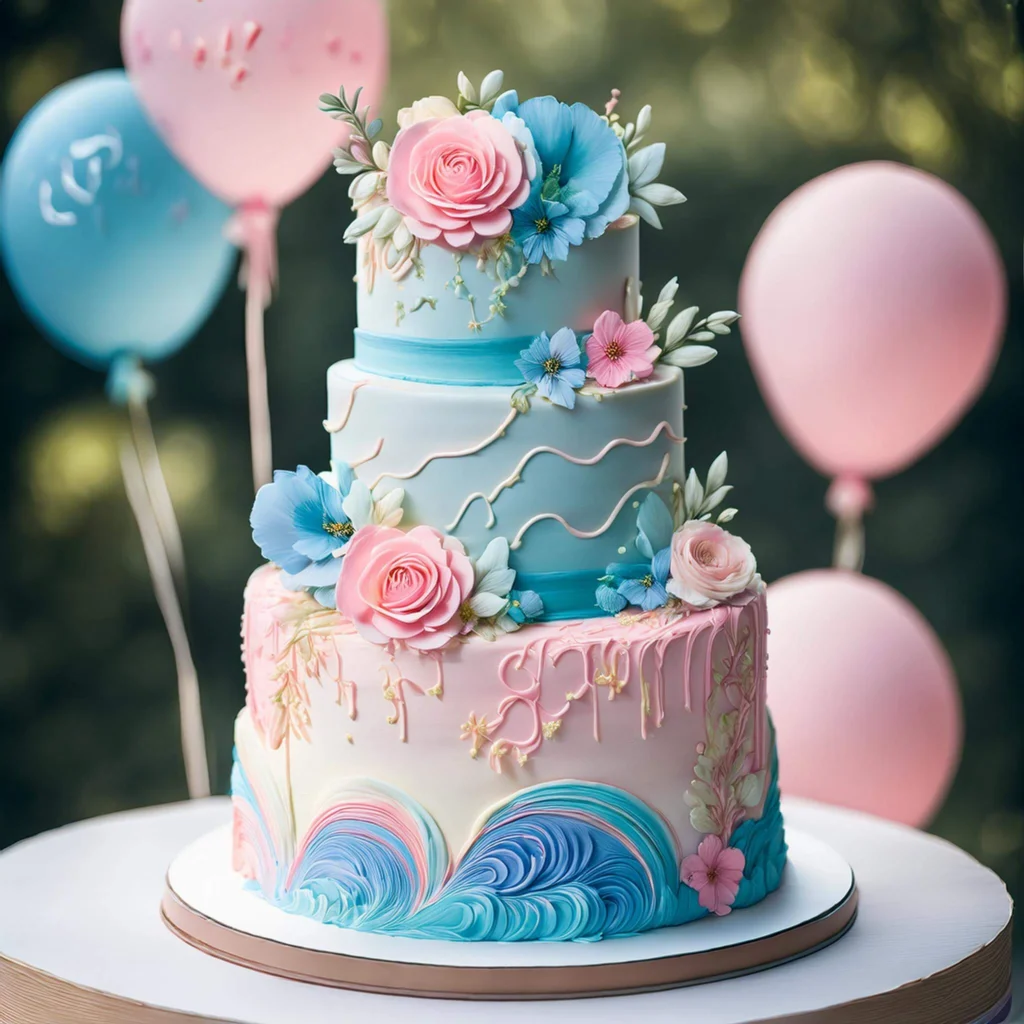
(112, 247)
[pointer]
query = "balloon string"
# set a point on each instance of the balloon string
(193, 742)
(254, 229)
(259, 401)
(156, 487)
(848, 499)
(848, 552)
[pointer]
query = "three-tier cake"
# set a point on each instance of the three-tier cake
(506, 669)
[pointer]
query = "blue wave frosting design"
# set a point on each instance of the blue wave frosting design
(559, 861)
(565, 860)
(369, 862)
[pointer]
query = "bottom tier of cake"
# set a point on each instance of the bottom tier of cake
(577, 780)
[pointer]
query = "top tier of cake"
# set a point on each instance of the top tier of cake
(437, 325)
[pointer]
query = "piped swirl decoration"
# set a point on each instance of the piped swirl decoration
(370, 860)
(559, 861)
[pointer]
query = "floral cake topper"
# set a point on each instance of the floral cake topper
(515, 183)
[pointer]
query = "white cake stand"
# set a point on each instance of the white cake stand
(208, 906)
(81, 940)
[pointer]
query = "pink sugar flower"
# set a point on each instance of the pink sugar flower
(456, 179)
(406, 587)
(715, 871)
(709, 565)
(619, 352)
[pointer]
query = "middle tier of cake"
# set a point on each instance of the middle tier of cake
(562, 486)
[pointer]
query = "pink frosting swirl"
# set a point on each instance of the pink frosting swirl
(709, 565)
(457, 178)
(408, 587)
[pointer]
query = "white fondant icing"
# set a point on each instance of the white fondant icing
(460, 454)
(551, 450)
(582, 287)
(589, 534)
(516, 474)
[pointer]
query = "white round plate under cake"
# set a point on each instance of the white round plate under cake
(210, 906)
(82, 942)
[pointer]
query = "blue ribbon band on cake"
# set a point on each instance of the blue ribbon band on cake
(566, 595)
(470, 362)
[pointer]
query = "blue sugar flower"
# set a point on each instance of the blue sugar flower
(553, 364)
(609, 600)
(544, 227)
(298, 522)
(642, 584)
(583, 162)
(654, 526)
(524, 606)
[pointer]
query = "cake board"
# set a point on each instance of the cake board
(82, 942)
(211, 907)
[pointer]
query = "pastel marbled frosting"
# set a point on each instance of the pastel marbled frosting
(537, 787)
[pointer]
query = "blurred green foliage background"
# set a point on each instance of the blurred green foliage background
(754, 97)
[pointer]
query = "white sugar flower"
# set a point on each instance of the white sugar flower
(494, 579)
(363, 510)
(425, 109)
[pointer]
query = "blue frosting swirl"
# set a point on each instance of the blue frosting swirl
(763, 843)
(376, 857)
(559, 861)
(565, 860)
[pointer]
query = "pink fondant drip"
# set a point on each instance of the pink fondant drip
(346, 693)
(288, 641)
(461, 453)
(438, 690)
(644, 642)
(336, 426)
(251, 31)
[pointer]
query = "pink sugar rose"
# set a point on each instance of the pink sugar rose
(709, 565)
(715, 871)
(408, 587)
(457, 179)
(619, 352)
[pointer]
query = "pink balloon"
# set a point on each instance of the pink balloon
(863, 696)
(232, 85)
(874, 302)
